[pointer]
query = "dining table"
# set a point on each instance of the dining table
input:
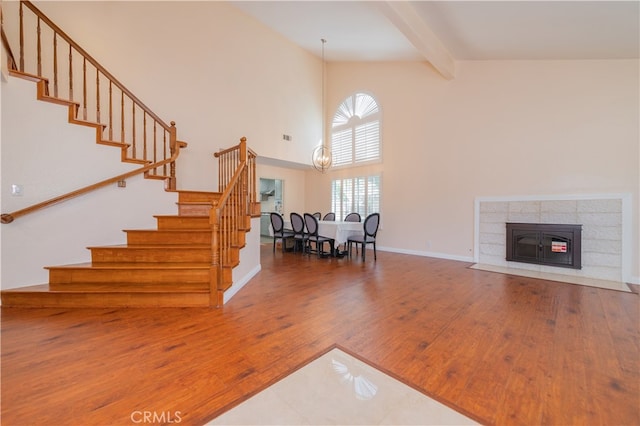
(338, 230)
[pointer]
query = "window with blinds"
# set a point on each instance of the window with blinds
(358, 194)
(355, 135)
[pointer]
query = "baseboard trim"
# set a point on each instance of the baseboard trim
(427, 254)
(236, 287)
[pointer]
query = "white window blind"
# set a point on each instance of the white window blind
(367, 142)
(341, 147)
(359, 194)
(355, 136)
(373, 194)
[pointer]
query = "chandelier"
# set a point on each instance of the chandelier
(321, 156)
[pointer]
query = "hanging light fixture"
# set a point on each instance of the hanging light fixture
(321, 157)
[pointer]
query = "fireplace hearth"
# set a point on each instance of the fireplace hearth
(545, 244)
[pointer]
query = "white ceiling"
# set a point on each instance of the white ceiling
(460, 30)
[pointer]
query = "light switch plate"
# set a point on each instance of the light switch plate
(16, 190)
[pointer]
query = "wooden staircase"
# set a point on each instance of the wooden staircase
(187, 260)
(169, 266)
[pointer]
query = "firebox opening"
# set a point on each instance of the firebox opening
(545, 244)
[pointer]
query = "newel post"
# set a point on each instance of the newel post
(215, 271)
(244, 192)
(243, 149)
(173, 146)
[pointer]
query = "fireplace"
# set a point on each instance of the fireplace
(545, 244)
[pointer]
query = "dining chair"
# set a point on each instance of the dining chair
(312, 229)
(370, 228)
(279, 233)
(317, 215)
(353, 217)
(299, 236)
(329, 216)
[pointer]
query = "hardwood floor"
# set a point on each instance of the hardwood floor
(501, 349)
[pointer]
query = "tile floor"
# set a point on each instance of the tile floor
(591, 282)
(339, 389)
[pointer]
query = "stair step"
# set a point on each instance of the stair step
(168, 236)
(83, 122)
(151, 253)
(194, 208)
(117, 144)
(198, 196)
(131, 287)
(41, 296)
(27, 76)
(135, 160)
(149, 175)
(182, 272)
(183, 222)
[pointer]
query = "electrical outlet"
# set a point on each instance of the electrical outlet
(122, 183)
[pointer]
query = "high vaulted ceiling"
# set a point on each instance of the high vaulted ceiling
(443, 32)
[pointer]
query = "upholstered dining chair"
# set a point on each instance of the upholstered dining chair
(329, 216)
(317, 215)
(300, 237)
(353, 217)
(279, 233)
(370, 228)
(312, 229)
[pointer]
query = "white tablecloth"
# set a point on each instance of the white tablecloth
(338, 230)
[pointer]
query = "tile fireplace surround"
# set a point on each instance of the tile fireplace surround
(605, 220)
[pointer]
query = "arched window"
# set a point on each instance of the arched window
(355, 133)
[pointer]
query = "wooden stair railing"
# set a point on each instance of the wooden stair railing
(5, 43)
(228, 161)
(101, 101)
(230, 216)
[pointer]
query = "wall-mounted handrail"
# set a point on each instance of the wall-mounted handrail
(10, 217)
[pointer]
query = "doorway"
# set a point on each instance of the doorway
(271, 194)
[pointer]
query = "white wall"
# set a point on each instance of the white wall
(46, 155)
(249, 264)
(500, 128)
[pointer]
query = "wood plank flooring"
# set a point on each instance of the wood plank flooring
(501, 349)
